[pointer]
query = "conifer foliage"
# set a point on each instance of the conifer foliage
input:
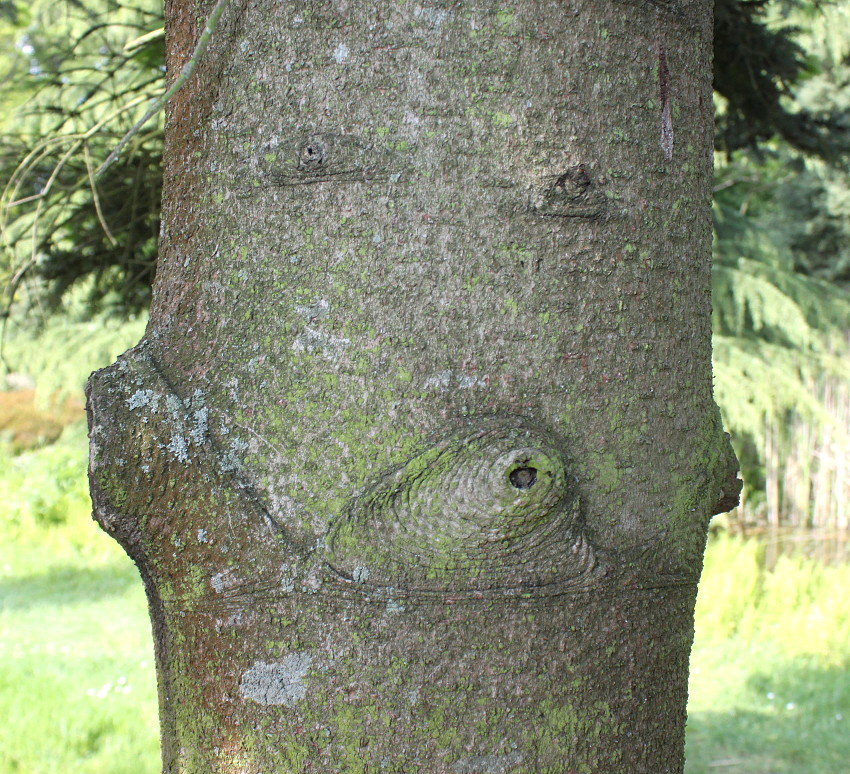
(81, 74)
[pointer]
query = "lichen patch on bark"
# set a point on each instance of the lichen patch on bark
(278, 682)
(488, 764)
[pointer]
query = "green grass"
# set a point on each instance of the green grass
(770, 685)
(77, 690)
(770, 669)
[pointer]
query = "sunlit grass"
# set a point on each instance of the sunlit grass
(77, 692)
(770, 669)
(76, 682)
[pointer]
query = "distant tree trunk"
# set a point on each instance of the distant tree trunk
(418, 454)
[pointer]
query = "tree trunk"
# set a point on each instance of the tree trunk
(418, 454)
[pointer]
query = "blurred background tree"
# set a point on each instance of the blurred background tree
(79, 255)
(77, 76)
(781, 273)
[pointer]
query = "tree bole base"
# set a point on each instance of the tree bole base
(279, 660)
(577, 683)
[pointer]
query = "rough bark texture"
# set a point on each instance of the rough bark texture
(418, 455)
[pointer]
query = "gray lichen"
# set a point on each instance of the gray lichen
(276, 682)
(141, 398)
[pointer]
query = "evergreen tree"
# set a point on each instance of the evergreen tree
(419, 452)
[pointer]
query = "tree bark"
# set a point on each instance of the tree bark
(418, 454)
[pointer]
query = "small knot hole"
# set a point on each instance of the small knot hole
(523, 478)
(312, 154)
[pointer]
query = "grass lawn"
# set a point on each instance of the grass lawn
(761, 713)
(770, 685)
(770, 669)
(77, 691)
(76, 665)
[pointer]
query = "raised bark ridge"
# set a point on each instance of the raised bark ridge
(488, 509)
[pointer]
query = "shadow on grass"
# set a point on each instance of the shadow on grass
(793, 721)
(66, 585)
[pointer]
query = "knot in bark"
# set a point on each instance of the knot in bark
(488, 506)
